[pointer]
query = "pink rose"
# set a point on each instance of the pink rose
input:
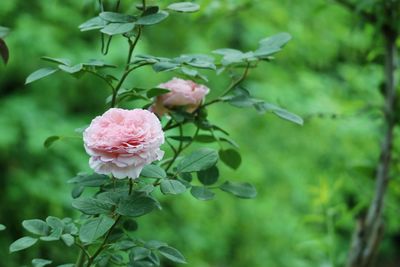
(183, 93)
(121, 142)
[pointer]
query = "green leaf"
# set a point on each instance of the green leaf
(92, 24)
(199, 160)
(71, 70)
(94, 228)
(230, 157)
(136, 205)
(63, 61)
(77, 191)
(68, 239)
(139, 253)
(156, 92)
(209, 176)
(67, 265)
(153, 171)
(4, 32)
(118, 28)
(155, 244)
(40, 262)
(36, 226)
(277, 40)
(172, 187)
(50, 140)
(242, 190)
(280, 112)
(90, 180)
(92, 206)
(165, 66)
(184, 7)
(39, 74)
(2, 227)
(116, 17)
(152, 19)
(57, 227)
(4, 52)
(202, 193)
(22, 243)
(172, 254)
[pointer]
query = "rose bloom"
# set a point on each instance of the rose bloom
(183, 93)
(121, 142)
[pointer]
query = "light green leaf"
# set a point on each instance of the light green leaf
(263, 107)
(172, 187)
(2, 227)
(68, 239)
(4, 32)
(172, 254)
(22, 243)
(39, 74)
(202, 193)
(63, 61)
(40, 262)
(241, 190)
(139, 253)
(92, 24)
(230, 157)
(71, 70)
(184, 7)
(94, 228)
(153, 171)
(118, 28)
(165, 66)
(36, 226)
(199, 160)
(117, 17)
(152, 19)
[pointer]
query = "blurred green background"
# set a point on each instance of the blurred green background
(312, 181)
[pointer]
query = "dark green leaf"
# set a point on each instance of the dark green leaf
(172, 187)
(184, 7)
(153, 171)
(77, 191)
(40, 262)
(280, 112)
(136, 205)
(4, 52)
(230, 157)
(181, 138)
(67, 265)
(155, 244)
(50, 140)
(199, 160)
(92, 206)
(172, 254)
(90, 180)
(242, 190)
(94, 228)
(118, 28)
(202, 193)
(36, 226)
(152, 19)
(22, 243)
(39, 74)
(156, 92)
(209, 176)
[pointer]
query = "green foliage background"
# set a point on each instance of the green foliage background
(312, 181)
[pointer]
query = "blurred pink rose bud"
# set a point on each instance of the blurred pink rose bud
(121, 142)
(183, 93)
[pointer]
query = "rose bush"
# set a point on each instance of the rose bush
(121, 142)
(183, 93)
